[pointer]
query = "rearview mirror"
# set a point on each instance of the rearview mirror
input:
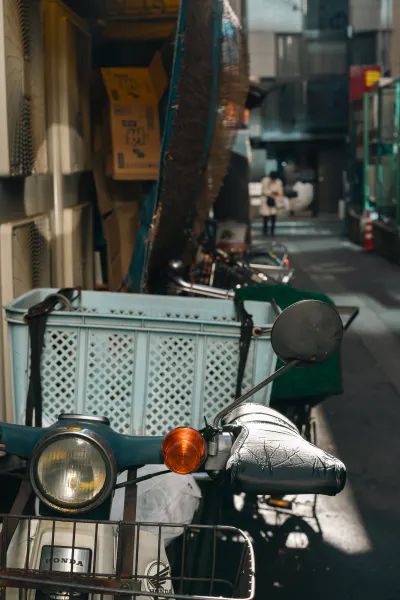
(304, 334)
(308, 332)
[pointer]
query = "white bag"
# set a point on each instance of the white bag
(169, 498)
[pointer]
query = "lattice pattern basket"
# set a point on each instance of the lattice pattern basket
(149, 363)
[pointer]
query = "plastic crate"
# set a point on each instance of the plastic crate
(149, 363)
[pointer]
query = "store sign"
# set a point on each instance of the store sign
(363, 80)
(371, 78)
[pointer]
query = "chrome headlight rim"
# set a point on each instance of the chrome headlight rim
(99, 443)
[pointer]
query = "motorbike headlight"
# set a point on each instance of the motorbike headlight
(73, 472)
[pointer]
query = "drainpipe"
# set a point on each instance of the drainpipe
(55, 144)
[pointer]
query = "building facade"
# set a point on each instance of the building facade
(301, 52)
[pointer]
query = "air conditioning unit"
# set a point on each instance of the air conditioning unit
(25, 263)
(23, 146)
(78, 246)
(68, 79)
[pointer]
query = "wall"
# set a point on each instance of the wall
(258, 165)
(370, 15)
(386, 19)
(331, 164)
(24, 197)
(269, 17)
(265, 19)
(278, 15)
(395, 45)
(365, 14)
(275, 15)
(262, 54)
(255, 124)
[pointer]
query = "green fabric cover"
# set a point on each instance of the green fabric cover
(321, 380)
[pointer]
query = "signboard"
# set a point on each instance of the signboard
(363, 80)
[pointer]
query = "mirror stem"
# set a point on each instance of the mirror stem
(276, 308)
(253, 391)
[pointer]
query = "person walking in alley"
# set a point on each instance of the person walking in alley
(272, 190)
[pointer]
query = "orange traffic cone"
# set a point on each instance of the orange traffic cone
(368, 237)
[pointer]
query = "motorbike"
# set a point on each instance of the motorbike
(284, 511)
(224, 271)
(58, 540)
(225, 264)
(217, 276)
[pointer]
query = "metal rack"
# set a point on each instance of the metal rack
(24, 568)
(374, 165)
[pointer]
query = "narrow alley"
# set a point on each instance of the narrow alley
(358, 556)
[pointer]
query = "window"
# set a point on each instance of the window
(288, 56)
(290, 105)
(284, 108)
(384, 44)
(326, 57)
(327, 103)
(363, 49)
(327, 15)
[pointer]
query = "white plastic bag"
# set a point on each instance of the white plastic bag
(169, 498)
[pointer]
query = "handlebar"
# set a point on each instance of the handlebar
(129, 451)
(204, 290)
(244, 274)
(196, 288)
(261, 450)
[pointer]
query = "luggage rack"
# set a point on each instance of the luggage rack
(77, 569)
(176, 358)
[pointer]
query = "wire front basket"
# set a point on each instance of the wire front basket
(102, 559)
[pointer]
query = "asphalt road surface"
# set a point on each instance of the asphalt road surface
(357, 555)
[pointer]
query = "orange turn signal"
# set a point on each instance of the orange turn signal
(184, 450)
(278, 503)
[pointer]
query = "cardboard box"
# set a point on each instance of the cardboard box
(134, 94)
(119, 204)
(120, 231)
(157, 9)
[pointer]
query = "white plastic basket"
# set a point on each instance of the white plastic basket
(149, 363)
